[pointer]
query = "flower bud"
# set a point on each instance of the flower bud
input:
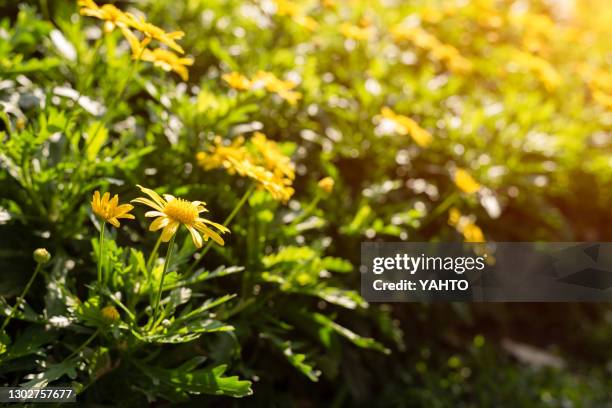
(326, 184)
(42, 256)
(110, 315)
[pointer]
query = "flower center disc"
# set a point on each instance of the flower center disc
(182, 211)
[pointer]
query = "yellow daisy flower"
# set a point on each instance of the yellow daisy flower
(282, 88)
(137, 46)
(279, 188)
(261, 161)
(437, 50)
(171, 212)
(168, 61)
(109, 209)
(219, 155)
(465, 181)
(237, 81)
(407, 126)
(291, 9)
(272, 157)
(153, 32)
(465, 226)
(112, 16)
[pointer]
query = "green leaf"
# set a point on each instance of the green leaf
(298, 360)
(336, 264)
(359, 222)
(341, 297)
(89, 312)
(203, 381)
(289, 254)
(359, 341)
(52, 373)
(184, 333)
(203, 275)
(30, 341)
(97, 134)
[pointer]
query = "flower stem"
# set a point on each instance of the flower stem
(153, 254)
(161, 282)
(229, 219)
(20, 299)
(100, 255)
(307, 211)
(82, 346)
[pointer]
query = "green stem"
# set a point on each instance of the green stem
(20, 299)
(82, 346)
(100, 250)
(153, 253)
(444, 205)
(44, 7)
(307, 211)
(229, 219)
(161, 283)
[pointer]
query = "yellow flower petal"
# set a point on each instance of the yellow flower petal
(110, 210)
(148, 202)
(159, 223)
(169, 231)
(153, 195)
(466, 182)
(195, 236)
(114, 222)
(208, 233)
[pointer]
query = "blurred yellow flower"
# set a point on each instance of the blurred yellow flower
(168, 61)
(112, 16)
(538, 31)
(279, 188)
(545, 72)
(472, 233)
(137, 46)
(326, 184)
(237, 81)
(603, 99)
(450, 55)
(293, 10)
(271, 156)
(596, 78)
(438, 51)
(152, 32)
(266, 80)
(109, 209)
(282, 88)
(406, 126)
(465, 226)
(171, 212)
(454, 215)
(415, 35)
(262, 161)
(355, 32)
(465, 181)
(220, 154)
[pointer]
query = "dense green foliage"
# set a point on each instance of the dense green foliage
(435, 120)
